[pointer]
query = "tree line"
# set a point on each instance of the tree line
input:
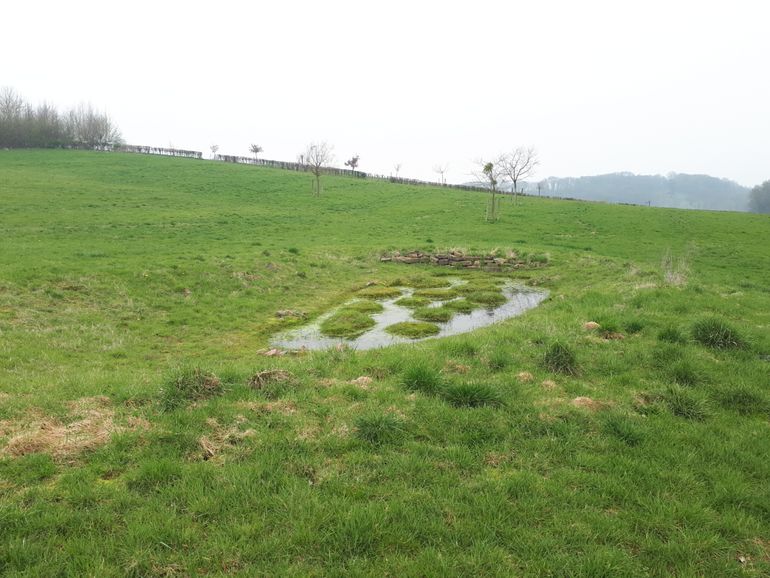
(25, 126)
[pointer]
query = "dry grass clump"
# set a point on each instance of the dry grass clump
(263, 378)
(222, 437)
(92, 427)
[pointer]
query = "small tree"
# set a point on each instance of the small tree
(316, 156)
(519, 165)
(255, 149)
(352, 163)
(214, 150)
(397, 168)
(759, 198)
(491, 173)
(540, 186)
(442, 171)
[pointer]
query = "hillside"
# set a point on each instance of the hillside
(675, 190)
(140, 434)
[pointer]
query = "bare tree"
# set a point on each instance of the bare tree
(397, 168)
(316, 156)
(540, 186)
(353, 162)
(492, 174)
(442, 171)
(214, 150)
(90, 128)
(519, 165)
(255, 149)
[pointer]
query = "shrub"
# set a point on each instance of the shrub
(717, 334)
(379, 429)
(471, 395)
(422, 377)
(189, 384)
(685, 404)
(560, 358)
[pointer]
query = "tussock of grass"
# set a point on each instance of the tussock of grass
(460, 305)
(434, 314)
(686, 404)
(717, 334)
(685, 372)
(380, 429)
(413, 329)
(347, 323)
(460, 347)
(488, 298)
(420, 282)
(623, 428)
(672, 335)
(379, 292)
(364, 307)
(189, 384)
(499, 359)
(437, 294)
(471, 395)
(413, 302)
(422, 377)
(744, 400)
(560, 358)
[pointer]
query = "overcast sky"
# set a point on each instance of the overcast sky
(596, 86)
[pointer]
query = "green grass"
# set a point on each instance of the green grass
(117, 269)
(435, 314)
(413, 302)
(716, 333)
(413, 329)
(348, 323)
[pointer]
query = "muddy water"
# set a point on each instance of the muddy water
(518, 300)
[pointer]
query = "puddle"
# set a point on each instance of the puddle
(518, 300)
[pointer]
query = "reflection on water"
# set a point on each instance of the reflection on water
(518, 300)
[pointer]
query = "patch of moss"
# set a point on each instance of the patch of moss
(412, 302)
(435, 314)
(379, 292)
(488, 298)
(346, 323)
(413, 329)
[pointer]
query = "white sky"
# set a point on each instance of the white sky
(597, 86)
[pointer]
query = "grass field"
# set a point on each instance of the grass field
(142, 433)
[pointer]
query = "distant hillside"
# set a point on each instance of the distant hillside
(674, 190)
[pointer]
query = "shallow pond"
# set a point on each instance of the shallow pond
(518, 300)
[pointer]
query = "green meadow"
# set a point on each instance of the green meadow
(144, 432)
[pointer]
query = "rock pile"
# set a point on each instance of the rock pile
(461, 260)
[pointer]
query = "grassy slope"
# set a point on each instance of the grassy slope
(116, 268)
